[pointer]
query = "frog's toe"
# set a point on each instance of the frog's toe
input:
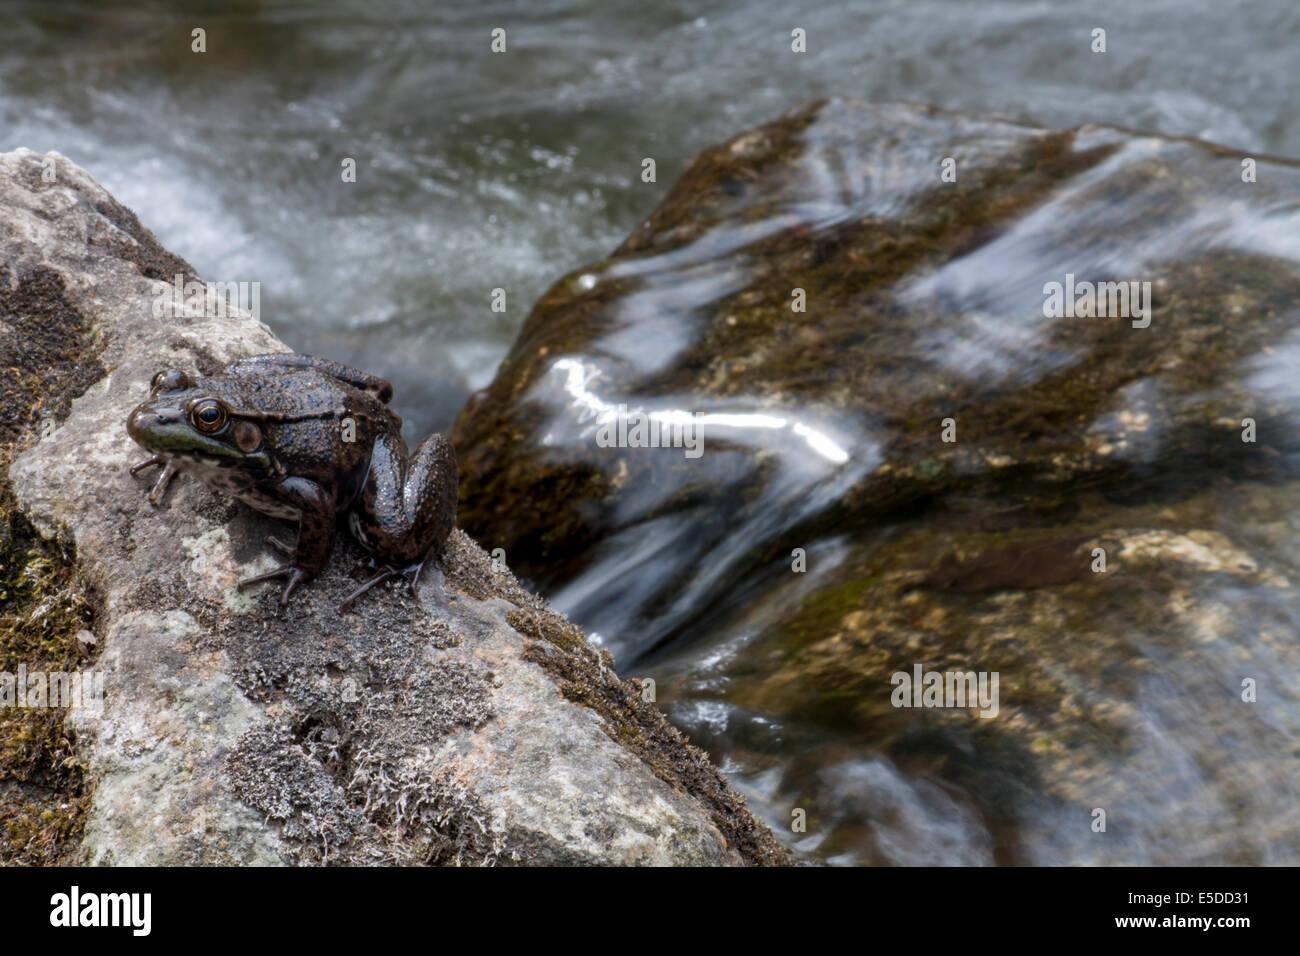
(164, 478)
(384, 572)
(148, 463)
(294, 580)
(382, 576)
(279, 545)
(415, 571)
(295, 575)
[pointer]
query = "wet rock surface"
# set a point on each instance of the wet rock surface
(824, 430)
(233, 732)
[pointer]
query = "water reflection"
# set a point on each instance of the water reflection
(830, 536)
(590, 406)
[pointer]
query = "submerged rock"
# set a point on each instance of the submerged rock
(474, 725)
(949, 449)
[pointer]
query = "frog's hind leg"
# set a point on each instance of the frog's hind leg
(407, 509)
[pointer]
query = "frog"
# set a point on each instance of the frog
(309, 440)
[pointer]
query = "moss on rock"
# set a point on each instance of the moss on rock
(48, 359)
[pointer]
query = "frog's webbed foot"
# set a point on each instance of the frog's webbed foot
(295, 575)
(164, 479)
(382, 576)
(412, 573)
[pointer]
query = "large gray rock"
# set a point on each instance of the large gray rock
(472, 726)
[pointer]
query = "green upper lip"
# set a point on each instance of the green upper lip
(166, 429)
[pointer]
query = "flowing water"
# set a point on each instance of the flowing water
(479, 171)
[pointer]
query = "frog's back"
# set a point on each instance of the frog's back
(317, 426)
(301, 397)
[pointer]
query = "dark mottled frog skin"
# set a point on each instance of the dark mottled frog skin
(273, 431)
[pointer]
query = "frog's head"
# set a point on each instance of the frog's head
(197, 421)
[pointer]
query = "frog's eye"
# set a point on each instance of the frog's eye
(171, 380)
(208, 415)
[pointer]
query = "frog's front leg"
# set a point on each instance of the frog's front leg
(164, 479)
(407, 508)
(316, 529)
